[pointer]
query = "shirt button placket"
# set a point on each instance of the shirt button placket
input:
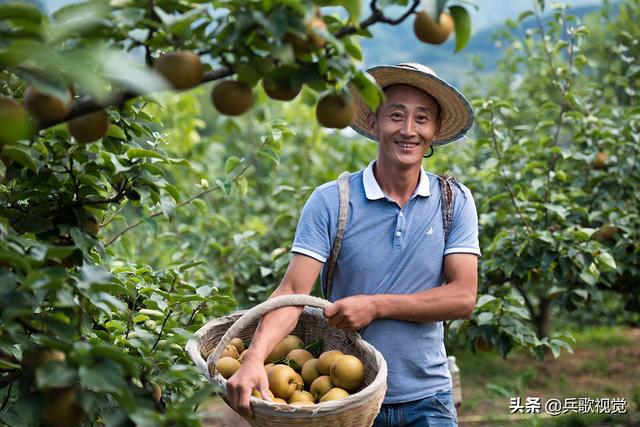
(399, 230)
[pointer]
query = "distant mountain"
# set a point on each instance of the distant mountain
(396, 44)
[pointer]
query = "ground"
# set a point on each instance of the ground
(605, 364)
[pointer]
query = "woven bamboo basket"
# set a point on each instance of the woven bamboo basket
(356, 410)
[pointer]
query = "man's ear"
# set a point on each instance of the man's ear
(372, 121)
(438, 122)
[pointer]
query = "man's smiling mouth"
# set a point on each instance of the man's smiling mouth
(407, 144)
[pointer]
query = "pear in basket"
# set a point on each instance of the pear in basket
(326, 359)
(226, 366)
(335, 393)
(256, 393)
(230, 351)
(283, 381)
(347, 372)
(238, 344)
(300, 356)
(320, 386)
(310, 372)
(301, 396)
(284, 347)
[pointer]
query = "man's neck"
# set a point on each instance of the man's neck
(397, 183)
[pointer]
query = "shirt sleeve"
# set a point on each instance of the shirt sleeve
(463, 237)
(313, 231)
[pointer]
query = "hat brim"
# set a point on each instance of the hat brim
(456, 114)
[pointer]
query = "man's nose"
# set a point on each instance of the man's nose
(409, 127)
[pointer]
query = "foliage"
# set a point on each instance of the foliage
(95, 306)
(555, 174)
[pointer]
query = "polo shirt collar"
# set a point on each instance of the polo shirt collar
(373, 191)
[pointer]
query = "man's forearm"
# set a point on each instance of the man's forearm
(273, 327)
(445, 302)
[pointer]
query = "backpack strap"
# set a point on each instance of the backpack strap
(447, 202)
(343, 215)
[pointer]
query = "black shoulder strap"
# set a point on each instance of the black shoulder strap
(343, 215)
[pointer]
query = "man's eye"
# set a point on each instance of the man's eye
(422, 119)
(396, 115)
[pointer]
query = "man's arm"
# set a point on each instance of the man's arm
(454, 300)
(273, 327)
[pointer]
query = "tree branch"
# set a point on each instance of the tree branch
(504, 176)
(86, 105)
(376, 16)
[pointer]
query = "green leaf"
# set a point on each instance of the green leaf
(485, 318)
(368, 89)
(231, 163)
(525, 15)
(134, 153)
(106, 351)
(173, 190)
(484, 299)
(20, 10)
(140, 318)
(352, 48)
(116, 132)
(606, 260)
(7, 365)
(55, 375)
(20, 155)
(103, 377)
(351, 6)
(462, 25)
(583, 294)
(15, 260)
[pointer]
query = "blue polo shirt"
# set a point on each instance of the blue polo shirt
(389, 250)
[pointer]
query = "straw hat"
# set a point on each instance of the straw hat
(456, 115)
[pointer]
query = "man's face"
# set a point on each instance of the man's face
(405, 125)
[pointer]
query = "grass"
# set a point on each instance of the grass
(605, 364)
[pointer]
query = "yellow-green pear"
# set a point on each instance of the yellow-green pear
(238, 344)
(335, 393)
(309, 371)
(284, 347)
(347, 372)
(326, 359)
(300, 396)
(226, 366)
(300, 356)
(283, 381)
(230, 351)
(320, 386)
(256, 393)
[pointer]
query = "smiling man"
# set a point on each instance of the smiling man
(404, 267)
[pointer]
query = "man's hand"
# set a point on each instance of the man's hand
(251, 375)
(351, 313)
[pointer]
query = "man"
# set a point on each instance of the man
(397, 278)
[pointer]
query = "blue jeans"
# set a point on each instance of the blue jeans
(433, 411)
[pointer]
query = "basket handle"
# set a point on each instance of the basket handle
(254, 314)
